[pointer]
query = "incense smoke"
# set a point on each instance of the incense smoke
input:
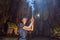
(31, 4)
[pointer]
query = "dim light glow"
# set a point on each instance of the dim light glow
(38, 15)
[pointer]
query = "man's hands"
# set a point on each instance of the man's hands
(30, 27)
(26, 28)
(32, 19)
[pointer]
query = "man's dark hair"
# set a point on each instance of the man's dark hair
(21, 19)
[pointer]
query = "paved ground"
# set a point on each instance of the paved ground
(17, 39)
(37, 38)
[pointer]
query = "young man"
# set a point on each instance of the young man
(23, 28)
